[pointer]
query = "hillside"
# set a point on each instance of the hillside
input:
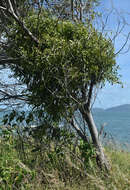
(98, 110)
(120, 108)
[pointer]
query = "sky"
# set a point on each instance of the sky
(114, 95)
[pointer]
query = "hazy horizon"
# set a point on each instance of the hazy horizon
(111, 106)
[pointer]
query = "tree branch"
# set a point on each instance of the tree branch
(11, 13)
(8, 61)
(79, 131)
(123, 45)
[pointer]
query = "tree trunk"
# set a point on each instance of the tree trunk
(101, 158)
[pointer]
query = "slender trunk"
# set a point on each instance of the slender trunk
(72, 9)
(83, 137)
(101, 158)
(81, 14)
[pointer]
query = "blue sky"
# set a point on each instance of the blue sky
(115, 95)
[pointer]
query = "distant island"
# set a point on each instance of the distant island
(120, 108)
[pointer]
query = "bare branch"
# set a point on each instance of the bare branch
(3, 8)
(73, 124)
(11, 7)
(123, 44)
(11, 13)
(8, 61)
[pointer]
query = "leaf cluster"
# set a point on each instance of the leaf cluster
(69, 56)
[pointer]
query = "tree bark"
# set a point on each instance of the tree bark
(101, 158)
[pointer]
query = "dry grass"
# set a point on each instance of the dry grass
(45, 170)
(94, 179)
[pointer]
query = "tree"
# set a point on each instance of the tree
(76, 10)
(62, 67)
(61, 62)
(12, 11)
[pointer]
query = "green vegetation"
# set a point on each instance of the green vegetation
(63, 70)
(62, 61)
(32, 163)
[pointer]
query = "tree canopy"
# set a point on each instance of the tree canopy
(70, 58)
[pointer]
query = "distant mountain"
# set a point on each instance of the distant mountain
(121, 108)
(98, 110)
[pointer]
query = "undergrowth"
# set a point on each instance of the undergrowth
(28, 163)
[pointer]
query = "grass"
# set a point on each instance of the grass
(32, 164)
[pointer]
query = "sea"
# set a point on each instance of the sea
(116, 125)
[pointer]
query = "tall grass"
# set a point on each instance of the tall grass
(29, 163)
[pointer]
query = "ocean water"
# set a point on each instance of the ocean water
(117, 124)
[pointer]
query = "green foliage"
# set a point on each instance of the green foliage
(62, 69)
(13, 117)
(13, 173)
(58, 165)
(87, 152)
(69, 56)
